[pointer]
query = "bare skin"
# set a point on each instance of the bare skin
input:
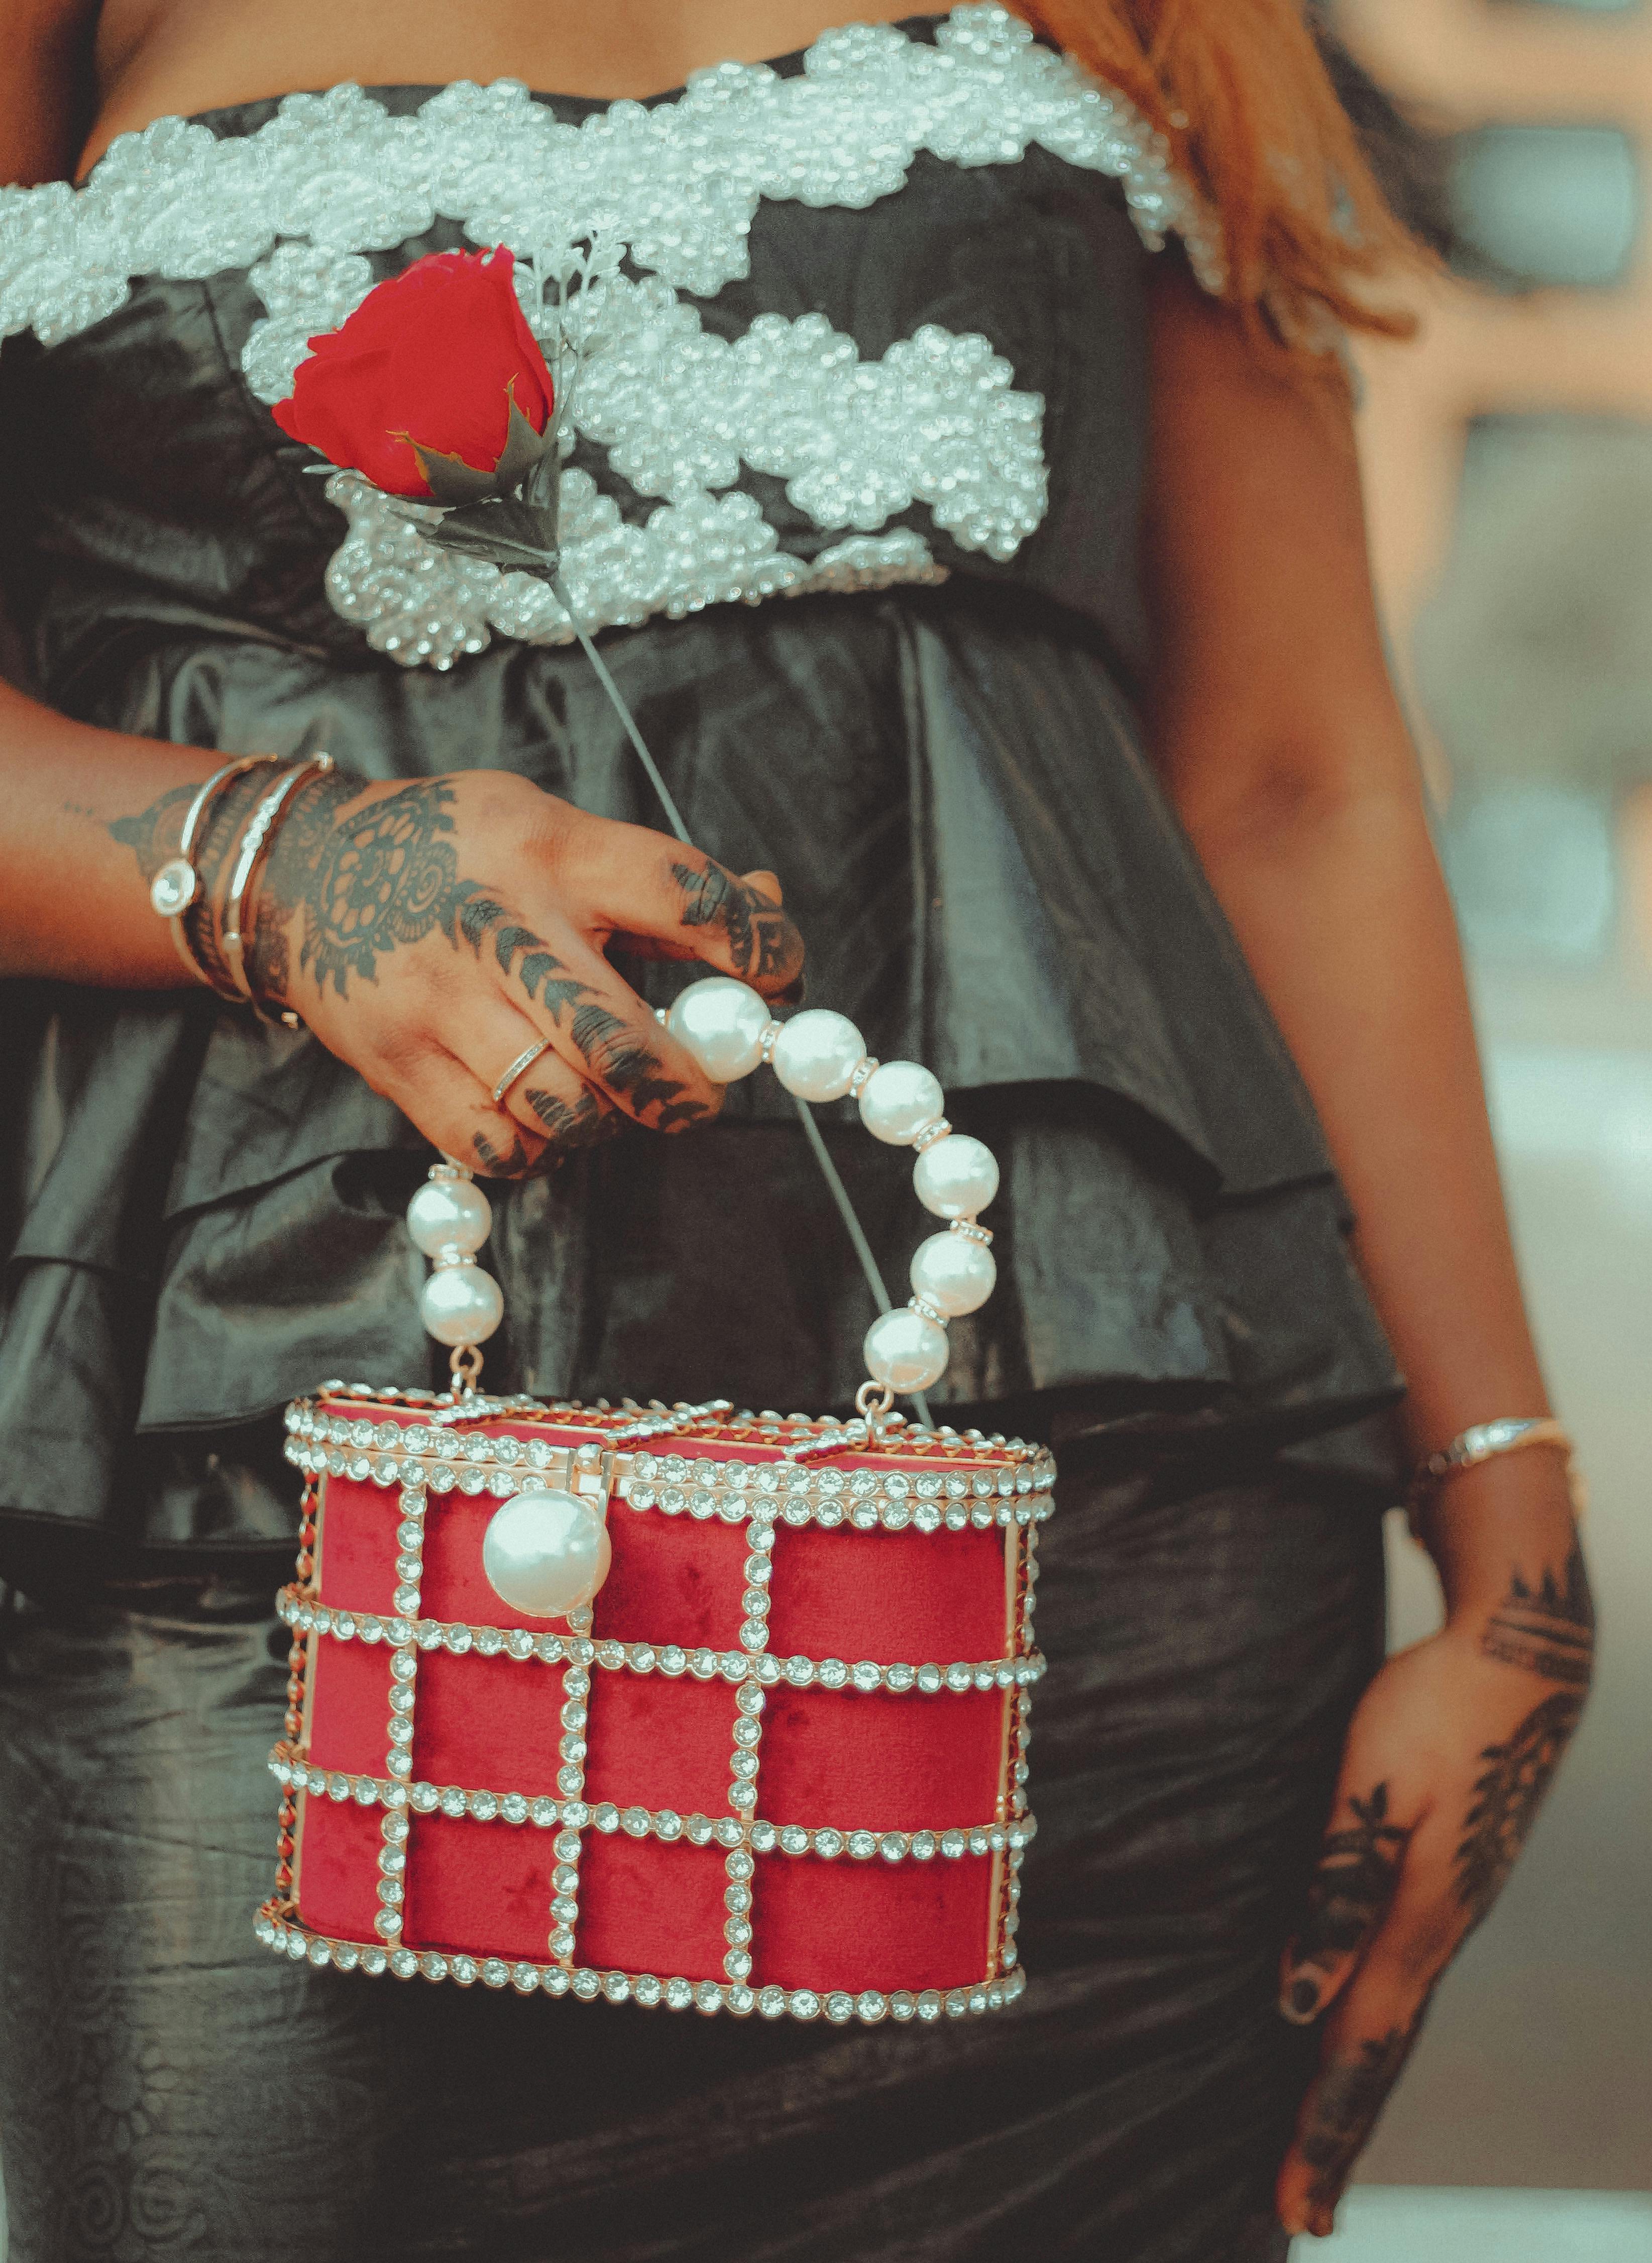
(1282, 749)
(1281, 743)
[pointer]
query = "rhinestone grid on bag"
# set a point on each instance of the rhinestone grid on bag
(763, 1494)
(674, 185)
(667, 1659)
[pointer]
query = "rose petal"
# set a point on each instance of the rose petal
(436, 351)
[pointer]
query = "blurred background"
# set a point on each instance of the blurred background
(1509, 462)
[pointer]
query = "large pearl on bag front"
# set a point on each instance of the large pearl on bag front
(817, 1053)
(953, 1274)
(461, 1304)
(448, 1214)
(721, 1023)
(906, 1349)
(545, 1554)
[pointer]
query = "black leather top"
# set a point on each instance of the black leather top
(950, 784)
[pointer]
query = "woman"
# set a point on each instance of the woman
(936, 745)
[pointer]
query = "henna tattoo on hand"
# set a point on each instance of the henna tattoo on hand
(1548, 1630)
(1349, 1896)
(519, 1164)
(616, 1053)
(1350, 2095)
(583, 1122)
(352, 879)
(617, 1057)
(368, 878)
(762, 940)
(1507, 1796)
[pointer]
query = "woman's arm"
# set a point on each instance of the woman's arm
(1283, 748)
(427, 931)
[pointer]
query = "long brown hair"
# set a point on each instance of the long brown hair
(1241, 94)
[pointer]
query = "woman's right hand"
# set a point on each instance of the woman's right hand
(429, 932)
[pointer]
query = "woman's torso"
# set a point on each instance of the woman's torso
(887, 356)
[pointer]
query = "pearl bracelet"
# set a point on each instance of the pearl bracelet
(818, 1056)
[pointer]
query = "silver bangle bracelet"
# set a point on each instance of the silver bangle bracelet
(177, 887)
(1484, 1442)
(254, 841)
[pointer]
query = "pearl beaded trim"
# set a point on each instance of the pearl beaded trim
(674, 185)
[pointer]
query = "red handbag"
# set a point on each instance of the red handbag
(778, 1764)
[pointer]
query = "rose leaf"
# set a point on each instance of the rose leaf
(510, 535)
(449, 478)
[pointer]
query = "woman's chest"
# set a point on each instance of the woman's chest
(872, 319)
(160, 58)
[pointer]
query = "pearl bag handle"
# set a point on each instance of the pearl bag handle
(817, 1056)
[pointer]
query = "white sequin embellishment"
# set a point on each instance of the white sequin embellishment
(333, 175)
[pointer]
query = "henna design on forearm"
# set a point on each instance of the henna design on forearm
(153, 834)
(762, 939)
(1548, 1630)
(1351, 2096)
(1507, 1796)
(1349, 1896)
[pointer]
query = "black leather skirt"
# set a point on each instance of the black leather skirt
(170, 2089)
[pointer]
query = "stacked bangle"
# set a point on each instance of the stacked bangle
(254, 841)
(178, 889)
(1483, 1441)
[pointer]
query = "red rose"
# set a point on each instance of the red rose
(429, 363)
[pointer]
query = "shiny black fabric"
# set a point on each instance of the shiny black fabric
(207, 1213)
(170, 2089)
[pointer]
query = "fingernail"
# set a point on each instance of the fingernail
(1300, 2003)
(1322, 2223)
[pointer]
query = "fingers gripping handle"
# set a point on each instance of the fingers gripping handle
(817, 1056)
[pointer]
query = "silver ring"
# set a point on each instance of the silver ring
(523, 1063)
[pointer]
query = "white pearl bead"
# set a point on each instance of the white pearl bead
(461, 1304)
(958, 1177)
(545, 1554)
(721, 1023)
(448, 1214)
(953, 1274)
(817, 1053)
(898, 1100)
(906, 1349)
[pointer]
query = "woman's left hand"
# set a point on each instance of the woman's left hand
(1446, 1762)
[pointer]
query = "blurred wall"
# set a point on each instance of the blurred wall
(1509, 464)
